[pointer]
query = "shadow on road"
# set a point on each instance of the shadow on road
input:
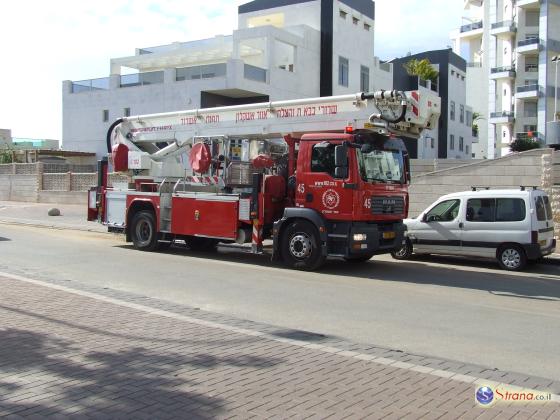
(121, 384)
(4, 239)
(540, 281)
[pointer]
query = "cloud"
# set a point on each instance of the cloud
(43, 43)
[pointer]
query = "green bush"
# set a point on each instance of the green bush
(524, 144)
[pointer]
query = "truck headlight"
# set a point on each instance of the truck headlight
(360, 237)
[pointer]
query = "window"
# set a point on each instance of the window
(462, 114)
(469, 118)
(364, 79)
(367, 26)
(463, 78)
(355, 20)
(541, 212)
(510, 210)
(343, 71)
(452, 142)
(532, 18)
(467, 150)
(530, 109)
(461, 143)
(548, 207)
(322, 158)
(452, 72)
(452, 111)
(126, 112)
(446, 211)
(481, 210)
(505, 92)
(433, 142)
(105, 115)
(342, 14)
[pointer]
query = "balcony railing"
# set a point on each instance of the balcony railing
(471, 27)
(528, 88)
(474, 64)
(201, 72)
(504, 24)
(141, 79)
(502, 114)
(528, 41)
(255, 73)
(90, 85)
(526, 136)
(503, 69)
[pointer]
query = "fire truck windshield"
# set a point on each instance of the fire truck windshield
(381, 166)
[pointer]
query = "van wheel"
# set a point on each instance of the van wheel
(301, 246)
(512, 258)
(143, 231)
(404, 252)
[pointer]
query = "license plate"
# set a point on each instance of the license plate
(389, 235)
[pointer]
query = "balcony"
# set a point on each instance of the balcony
(529, 45)
(530, 135)
(503, 117)
(254, 73)
(472, 30)
(528, 4)
(90, 85)
(506, 28)
(141, 79)
(505, 72)
(527, 92)
(474, 64)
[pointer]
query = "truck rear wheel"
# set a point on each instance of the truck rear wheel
(301, 246)
(143, 231)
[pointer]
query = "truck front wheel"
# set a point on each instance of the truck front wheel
(301, 246)
(143, 231)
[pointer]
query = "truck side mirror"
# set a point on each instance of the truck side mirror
(341, 172)
(341, 156)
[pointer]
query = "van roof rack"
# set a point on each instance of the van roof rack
(524, 187)
(476, 188)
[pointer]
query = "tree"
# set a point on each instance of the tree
(6, 155)
(475, 118)
(523, 144)
(421, 68)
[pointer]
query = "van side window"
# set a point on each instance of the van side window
(446, 211)
(510, 210)
(548, 207)
(322, 159)
(481, 210)
(541, 212)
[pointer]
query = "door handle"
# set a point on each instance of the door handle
(461, 225)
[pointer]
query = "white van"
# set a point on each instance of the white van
(512, 226)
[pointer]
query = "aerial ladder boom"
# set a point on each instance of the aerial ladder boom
(153, 139)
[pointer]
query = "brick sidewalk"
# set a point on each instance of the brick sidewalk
(65, 353)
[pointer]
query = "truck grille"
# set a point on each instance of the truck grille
(387, 205)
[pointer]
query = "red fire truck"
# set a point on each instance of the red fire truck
(322, 177)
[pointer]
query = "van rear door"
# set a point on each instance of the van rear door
(543, 220)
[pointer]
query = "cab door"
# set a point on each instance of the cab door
(317, 188)
(438, 231)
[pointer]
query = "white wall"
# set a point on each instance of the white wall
(457, 93)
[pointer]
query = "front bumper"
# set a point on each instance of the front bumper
(343, 243)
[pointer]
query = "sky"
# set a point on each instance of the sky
(43, 43)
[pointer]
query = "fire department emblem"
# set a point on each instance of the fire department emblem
(331, 199)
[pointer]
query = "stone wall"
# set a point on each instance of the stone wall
(528, 168)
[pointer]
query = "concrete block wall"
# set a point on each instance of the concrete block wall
(508, 172)
(19, 187)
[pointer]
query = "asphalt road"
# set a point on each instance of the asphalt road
(441, 307)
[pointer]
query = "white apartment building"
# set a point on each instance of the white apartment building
(508, 45)
(282, 49)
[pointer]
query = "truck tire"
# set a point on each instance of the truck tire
(404, 252)
(301, 246)
(143, 231)
(511, 257)
(359, 258)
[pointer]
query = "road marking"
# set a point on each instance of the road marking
(312, 346)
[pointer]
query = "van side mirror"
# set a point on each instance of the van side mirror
(341, 156)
